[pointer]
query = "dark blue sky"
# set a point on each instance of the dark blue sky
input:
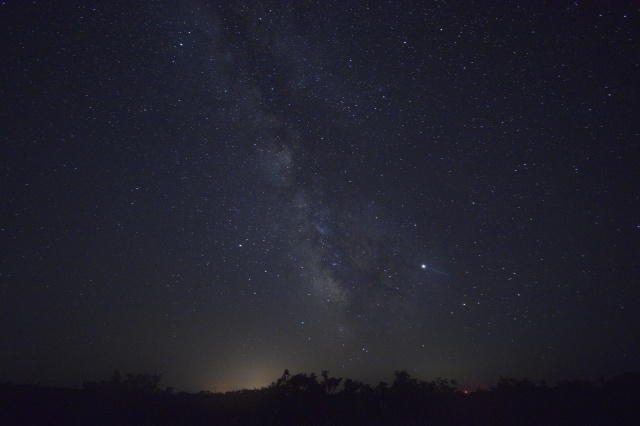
(217, 193)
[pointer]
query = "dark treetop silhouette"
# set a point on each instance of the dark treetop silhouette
(302, 399)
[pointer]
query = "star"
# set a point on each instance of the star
(263, 171)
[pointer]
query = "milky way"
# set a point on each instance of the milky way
(219, 192)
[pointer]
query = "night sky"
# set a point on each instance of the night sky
(218, 192)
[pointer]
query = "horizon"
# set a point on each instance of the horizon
(221, 388)
(309, 399)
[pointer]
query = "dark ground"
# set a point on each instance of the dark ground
(310, 400)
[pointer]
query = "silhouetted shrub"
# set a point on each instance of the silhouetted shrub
(304, 399)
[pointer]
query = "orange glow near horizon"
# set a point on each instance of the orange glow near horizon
(254, 377)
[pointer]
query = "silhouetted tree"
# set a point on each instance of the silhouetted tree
(304, 399)
(298, 384)
(403, 383)
(141, 384)
(382, 389)
(329, 384)
(352, 386)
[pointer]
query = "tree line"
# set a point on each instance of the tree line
(308, 399)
